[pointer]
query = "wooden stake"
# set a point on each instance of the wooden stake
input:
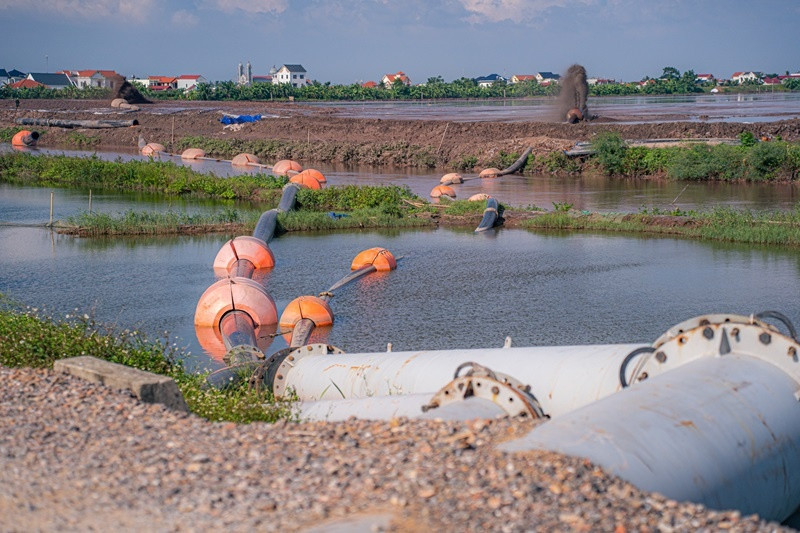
(90, 200)
(172, 138)
(51, 209)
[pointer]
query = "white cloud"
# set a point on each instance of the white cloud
(513, 10)
(250, 6)
(184, 18)
(137, 10)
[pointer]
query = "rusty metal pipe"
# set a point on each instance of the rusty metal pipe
(562, 377)
(721, 431)
(243, 268)
(237, 329)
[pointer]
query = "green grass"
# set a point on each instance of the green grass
(150, 176)
(155, 222)
(29, 338)
(721, 224)
(750, 161)
(362, 218)
(6, 134)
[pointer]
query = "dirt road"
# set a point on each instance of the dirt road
(302, 124)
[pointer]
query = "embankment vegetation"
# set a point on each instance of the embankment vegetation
(31, 338)
(751, 160)
(721, 224)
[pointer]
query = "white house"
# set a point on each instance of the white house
(145, 82)
(488, 81)
(189, 81)
(92, 78)
(388, 79)
(295, 75)
(741, 77)
(3, 77)
(545, 76)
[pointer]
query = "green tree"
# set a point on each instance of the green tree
(670, 73)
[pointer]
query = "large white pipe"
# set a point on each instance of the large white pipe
(388, 407)
(562, 378)
(722, 430)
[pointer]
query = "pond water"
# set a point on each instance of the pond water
(590, 193)
(746, 108)
(452, 288)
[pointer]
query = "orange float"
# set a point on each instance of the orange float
(316, 174)
(150, 149)
(489, 173)
(243, 160)
(193, 153)
(240, 294)
(443, 190)
(453, 177)
(285, 165)
(479, 197)
(25, 138)
(381, 258)
(306, 180)
(243, 247)
(310, 307)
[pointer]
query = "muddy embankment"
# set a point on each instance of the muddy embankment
(313, 133)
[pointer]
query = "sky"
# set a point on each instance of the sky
(346, 41)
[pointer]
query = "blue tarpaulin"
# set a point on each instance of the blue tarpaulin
(241, 119)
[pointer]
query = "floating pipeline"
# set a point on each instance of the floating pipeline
(491, 215)
(25, 138)
(91, 124)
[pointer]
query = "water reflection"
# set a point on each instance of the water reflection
(451, 289)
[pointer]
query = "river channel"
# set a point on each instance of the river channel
(589, 193)
(451, 289)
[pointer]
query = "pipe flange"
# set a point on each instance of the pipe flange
(704, 320)
(509, 394)
(243, 353)
(738, 336)
(292, 356)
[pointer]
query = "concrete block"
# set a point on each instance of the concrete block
(148, 387)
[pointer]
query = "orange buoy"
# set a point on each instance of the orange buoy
(453, 177)
(241, 294)
(489, 173)
(152, 149)
(479, 197)
(316, 174)
(285, 165)
(243, 247)
(443, 190)
(306, 180)
(381, 258)
(193, 153)
(243, 160)
(25, 138)
(310, 307)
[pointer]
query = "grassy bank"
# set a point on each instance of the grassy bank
(397, 153)
(752, 160)
(721, 224)
(31, 339)
(148, 176)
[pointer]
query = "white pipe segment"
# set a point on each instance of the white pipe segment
(721, 430)
(562, 378)
(388, 407)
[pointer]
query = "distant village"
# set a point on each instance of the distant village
(297, 76)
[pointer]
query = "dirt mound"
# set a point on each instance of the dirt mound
(123, 89)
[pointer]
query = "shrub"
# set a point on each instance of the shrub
(765, 159)
(610, 149)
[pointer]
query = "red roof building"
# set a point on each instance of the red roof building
(369, 84)
(389, 79)
(26, 84)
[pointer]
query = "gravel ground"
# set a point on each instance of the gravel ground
(78, 456)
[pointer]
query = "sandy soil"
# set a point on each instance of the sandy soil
(166, 122)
